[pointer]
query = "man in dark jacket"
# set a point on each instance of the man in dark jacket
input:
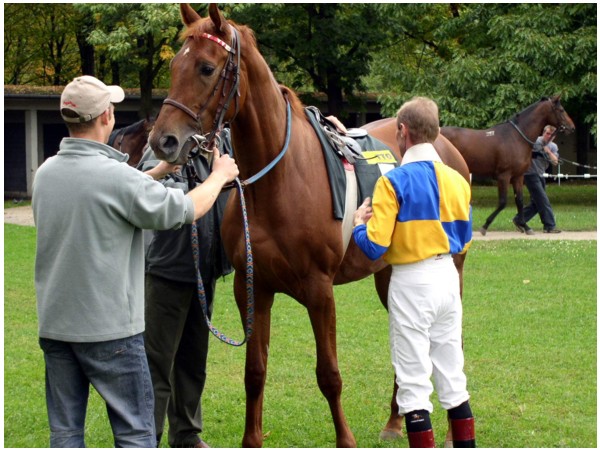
(176, 331)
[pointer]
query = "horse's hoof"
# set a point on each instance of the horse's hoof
(483, 231)
(448, 444)
(390, 435)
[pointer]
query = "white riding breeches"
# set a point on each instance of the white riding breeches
(425, 315)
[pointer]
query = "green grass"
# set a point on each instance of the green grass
(529, 336)
(574, 207)
(571, 203)
(16, 203)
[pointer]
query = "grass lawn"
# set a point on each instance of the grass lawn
(530, 340)
(574, 207)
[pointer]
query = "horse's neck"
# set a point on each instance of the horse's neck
(258, 131)
(532, 120)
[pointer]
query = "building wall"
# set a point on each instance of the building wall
(33, 130)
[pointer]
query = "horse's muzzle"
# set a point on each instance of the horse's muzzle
(169, 148)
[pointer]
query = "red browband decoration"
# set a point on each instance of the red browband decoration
(218, 41)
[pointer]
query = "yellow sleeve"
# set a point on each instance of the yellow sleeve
(380, 227)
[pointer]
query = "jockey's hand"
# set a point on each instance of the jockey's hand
(363, 213)
(338, 124)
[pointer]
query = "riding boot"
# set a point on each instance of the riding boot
(421, 439)
(463, 432)
(419, 429)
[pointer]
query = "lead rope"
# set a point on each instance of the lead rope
(249, 277)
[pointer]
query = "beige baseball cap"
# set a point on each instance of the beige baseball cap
(87, 97)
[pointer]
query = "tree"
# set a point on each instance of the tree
(17, 61)
(324, 47)
(140, 38)
(39, 45)
(485, 62)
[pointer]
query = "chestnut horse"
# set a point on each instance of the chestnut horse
(132, 140)
(219, 77)
(504, 151)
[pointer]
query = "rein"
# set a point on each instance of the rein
(275, 161)
(207, 144)
(521, 132)
(249, 279)
(249, 259)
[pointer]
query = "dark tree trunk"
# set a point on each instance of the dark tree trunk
(86, 51)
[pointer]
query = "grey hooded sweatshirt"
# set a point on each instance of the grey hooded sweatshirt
(89, 208)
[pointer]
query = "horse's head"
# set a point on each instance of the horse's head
(559, 118)
(205, 89)
(132, 140)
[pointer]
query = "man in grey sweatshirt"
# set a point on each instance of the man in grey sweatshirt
(90, 208)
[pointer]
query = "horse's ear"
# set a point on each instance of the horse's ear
(217, 17)
(188, 15)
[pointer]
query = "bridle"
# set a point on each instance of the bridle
(559, 119)
(230, 72)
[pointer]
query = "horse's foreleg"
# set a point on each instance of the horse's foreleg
(459, 263)
(502, 194)
(393, 427)
(256, 360)
(321, 310)
(518, 190)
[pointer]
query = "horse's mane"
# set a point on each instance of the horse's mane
(126, 130)
(529, 108)
(295, 102)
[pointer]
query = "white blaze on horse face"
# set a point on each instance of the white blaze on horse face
(186, 51)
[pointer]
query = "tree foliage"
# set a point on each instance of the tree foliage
(38, 43)
(324, 47)
(481, 62)
(138, 38)
(485, 62)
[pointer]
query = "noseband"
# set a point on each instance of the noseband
(230, 71)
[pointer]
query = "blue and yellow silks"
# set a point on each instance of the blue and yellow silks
(420, 209)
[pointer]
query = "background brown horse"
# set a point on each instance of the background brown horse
(297, 244)
(132, 140)
(504, 151)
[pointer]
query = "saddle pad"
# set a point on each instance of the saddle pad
(376, 160)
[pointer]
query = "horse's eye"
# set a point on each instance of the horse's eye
(207, 70)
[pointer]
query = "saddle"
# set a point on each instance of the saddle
(355, 151)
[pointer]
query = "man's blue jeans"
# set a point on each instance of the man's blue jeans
(118, 370)
(539, 202)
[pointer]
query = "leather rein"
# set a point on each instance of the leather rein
(230, 71)
(561, 128)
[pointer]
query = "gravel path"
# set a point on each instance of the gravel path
(23, 216)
